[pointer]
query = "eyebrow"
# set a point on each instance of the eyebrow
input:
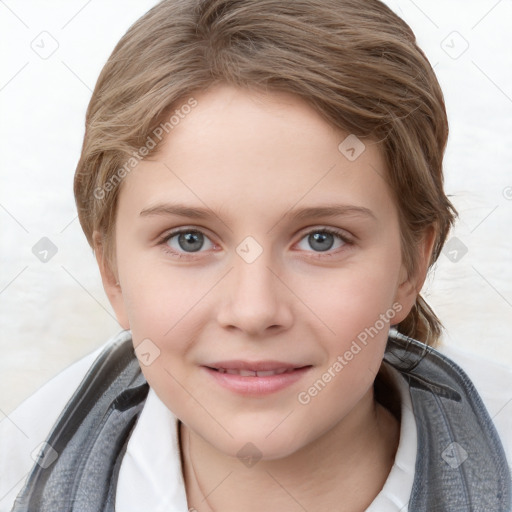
(312, 212)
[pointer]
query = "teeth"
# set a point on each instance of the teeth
(250, 373)
(246, 373)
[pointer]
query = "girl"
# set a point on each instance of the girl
(262, 185)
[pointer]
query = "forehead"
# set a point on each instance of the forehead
(251, 153)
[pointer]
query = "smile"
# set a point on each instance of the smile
(251, 373)
(255, 382)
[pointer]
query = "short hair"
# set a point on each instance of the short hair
(354, 61)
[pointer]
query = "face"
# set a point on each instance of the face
(252, 243)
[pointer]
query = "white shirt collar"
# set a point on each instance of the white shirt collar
(150, 477)
(396, 493)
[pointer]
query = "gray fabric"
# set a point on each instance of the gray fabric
(461, 465)
(90, 437)
(92, 433)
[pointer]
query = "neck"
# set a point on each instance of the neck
(342, 470)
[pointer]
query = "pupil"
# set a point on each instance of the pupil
(191, 241)
(321, 241)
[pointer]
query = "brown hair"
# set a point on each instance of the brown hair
(354, 61)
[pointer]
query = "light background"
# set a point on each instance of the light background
(54, 312)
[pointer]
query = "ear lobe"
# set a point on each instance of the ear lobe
(410, 285)
(110, 281)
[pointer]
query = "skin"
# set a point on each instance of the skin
(252, 159)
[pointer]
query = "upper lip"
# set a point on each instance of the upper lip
(255, 366)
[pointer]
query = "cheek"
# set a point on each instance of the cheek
(167, 311)
(164, 322)
(350, 300)
(356, 307)
(159, 298)
(358, 315)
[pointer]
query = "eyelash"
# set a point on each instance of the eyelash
(163, 241)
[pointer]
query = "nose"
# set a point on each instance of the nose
(254, 301)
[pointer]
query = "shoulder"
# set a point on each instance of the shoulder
(493, 381)
(24, 430)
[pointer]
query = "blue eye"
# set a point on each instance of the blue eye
(188, 241)
(321, 240)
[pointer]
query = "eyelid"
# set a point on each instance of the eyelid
(183, 229)
(342, 233)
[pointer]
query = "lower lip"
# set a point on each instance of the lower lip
(257, 385)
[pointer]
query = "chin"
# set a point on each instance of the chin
(251, 445)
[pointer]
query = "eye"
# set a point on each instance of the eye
(189, 240)
(322, 240)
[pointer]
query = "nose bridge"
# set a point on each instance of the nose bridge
(254, 279)
(253, 299)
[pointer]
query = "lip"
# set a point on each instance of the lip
(255, 385)
(238, 364)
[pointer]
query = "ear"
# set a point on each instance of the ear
(410, 285)
(110, 281)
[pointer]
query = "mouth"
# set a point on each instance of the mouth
(254, 373)
(256, 378)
